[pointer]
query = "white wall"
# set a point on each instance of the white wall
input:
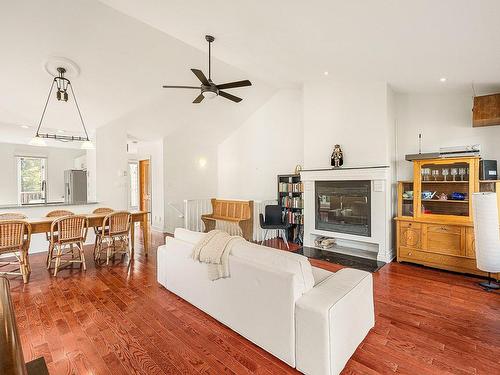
(443, 120)
(112, 166)
(354, 115)
(58, 160)
(268, 143)
(184, 177)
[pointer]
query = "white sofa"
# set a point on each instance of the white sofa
(310, 318)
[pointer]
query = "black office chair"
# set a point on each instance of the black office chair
(274, 221)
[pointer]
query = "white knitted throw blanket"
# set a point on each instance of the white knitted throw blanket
(214, 250)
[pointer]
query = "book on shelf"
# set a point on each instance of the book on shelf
(294, 217)
(289, 187)
(292, 202)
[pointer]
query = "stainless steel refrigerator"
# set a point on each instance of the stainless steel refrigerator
(75, 186)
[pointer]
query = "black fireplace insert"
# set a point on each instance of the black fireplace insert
(344, 206)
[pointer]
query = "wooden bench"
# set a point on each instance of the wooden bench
(238, 212)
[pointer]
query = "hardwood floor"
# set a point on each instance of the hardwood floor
(118, 320)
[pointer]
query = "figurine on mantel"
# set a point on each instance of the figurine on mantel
(337, 158)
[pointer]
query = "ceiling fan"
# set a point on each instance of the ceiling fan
(209, 89)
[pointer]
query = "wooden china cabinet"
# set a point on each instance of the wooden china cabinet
(434, 220)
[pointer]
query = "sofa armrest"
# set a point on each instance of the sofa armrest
(331, 320)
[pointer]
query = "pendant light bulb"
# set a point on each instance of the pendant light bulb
(37, 141)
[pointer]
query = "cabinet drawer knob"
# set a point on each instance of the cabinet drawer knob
(410, 253)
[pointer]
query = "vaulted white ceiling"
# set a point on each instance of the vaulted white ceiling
(409, 44)
(123, 62)
(127, 49)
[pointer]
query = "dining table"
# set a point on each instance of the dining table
(42, 225)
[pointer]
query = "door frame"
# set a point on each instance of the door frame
(141, 163)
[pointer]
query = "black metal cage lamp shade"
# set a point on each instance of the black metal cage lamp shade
(62, 85)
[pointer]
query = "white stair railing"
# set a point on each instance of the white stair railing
(194, 208)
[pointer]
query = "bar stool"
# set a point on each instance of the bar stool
(66, 234)
(15, 237)
(114, 236)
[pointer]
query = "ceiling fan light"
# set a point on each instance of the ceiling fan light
(87, 145)
(209, 94)
(37, 141)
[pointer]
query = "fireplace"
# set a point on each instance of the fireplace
(343, 206)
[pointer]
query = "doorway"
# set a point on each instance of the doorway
(133, 191)
(144, 185)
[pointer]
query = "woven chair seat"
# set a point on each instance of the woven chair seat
(15, 236)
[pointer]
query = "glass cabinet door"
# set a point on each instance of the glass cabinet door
(405, 190)
(445, 187)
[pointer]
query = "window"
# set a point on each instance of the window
(32, 180)
(134, 185)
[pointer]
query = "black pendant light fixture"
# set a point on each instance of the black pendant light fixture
(62, 84)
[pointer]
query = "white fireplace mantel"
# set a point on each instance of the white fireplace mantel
(380, 244)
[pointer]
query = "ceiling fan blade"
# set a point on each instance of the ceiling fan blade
(181, 87)
(232, 85)
(199, 98)
(201, 76)
(230, 97)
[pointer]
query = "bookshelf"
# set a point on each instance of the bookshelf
(291, 199)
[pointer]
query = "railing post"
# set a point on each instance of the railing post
(186, 214)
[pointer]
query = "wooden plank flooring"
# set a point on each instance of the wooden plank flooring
(118, 320)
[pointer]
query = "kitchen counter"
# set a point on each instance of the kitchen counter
(48, 204)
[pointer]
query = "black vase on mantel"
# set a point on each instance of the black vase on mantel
(337, 158)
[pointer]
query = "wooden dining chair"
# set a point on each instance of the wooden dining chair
(102, 210)
(15, 237)
(59, 213)
(97, 230)
(55, 213)
(67, 233)
(12, 216)
(114, 237)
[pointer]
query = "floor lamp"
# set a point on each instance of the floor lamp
(487, 235)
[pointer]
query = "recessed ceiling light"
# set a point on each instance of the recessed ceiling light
(25, 126)
(442, 79)
(325, 73)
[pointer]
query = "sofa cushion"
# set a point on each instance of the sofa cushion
(187, 235)
(278, 259)
(282, 260)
